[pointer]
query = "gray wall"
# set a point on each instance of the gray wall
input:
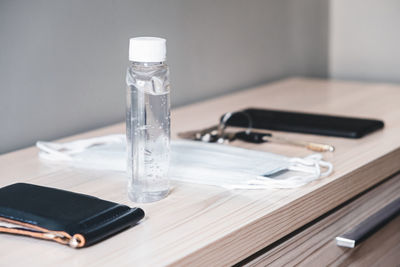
(63, 62)
(365, 40)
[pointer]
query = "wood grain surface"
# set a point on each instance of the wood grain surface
(209, 226)
(316, 246)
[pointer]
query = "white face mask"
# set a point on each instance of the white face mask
(197, 162)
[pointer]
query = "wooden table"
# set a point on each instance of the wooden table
(204, 225)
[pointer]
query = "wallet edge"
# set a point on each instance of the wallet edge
(75, 241)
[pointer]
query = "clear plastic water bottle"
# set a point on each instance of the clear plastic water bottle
(148, 120)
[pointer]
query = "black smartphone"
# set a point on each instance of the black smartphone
(305, 123)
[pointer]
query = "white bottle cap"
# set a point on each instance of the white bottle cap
(147, 49)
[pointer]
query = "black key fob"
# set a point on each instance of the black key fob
(252, 137)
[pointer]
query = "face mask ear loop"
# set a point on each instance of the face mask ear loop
(322, 163)
(328, 166)
(64, 151)
(311, 164)
(78, 146)
(318, 159)
(306, 165)
(51, 152)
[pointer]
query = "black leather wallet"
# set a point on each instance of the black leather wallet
(68, 218)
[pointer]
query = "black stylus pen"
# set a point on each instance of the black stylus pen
(369, 226)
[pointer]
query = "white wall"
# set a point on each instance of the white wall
(365, 40)
(62, 63)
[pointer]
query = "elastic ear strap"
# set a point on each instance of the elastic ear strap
(63, 151)
(51, 152)
(311, 164)
(80, 145)
(328, 166)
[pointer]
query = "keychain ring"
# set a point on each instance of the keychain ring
(227, 116)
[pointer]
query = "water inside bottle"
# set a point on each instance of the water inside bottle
(148, 139)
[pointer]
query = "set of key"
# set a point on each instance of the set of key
(215, 134)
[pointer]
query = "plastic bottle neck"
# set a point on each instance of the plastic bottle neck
(148, 64)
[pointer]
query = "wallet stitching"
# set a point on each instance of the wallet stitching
(104, 221)
(18, 219)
